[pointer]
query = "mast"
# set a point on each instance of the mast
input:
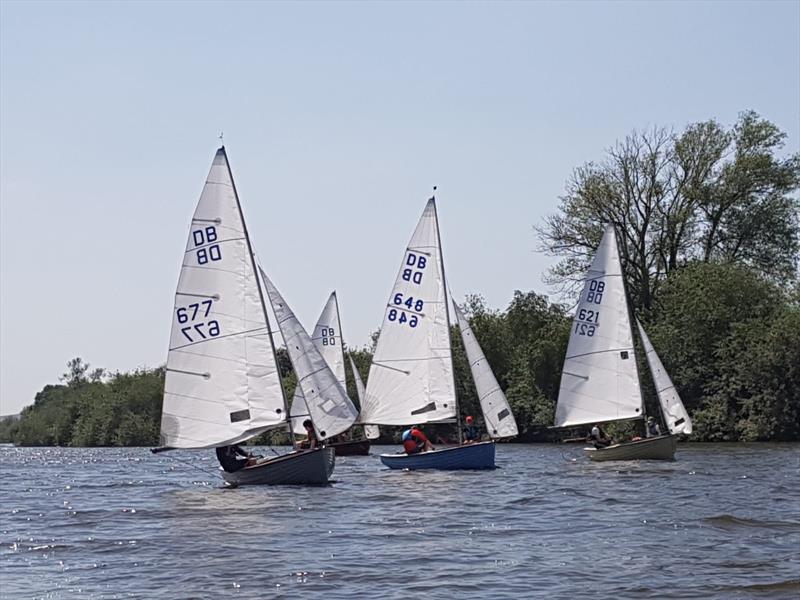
(630, 324)
(447, 314)
(260, 296)
(341, 333)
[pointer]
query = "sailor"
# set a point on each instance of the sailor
(598, 437)
(652, 428)
(414, 441)
(311, 441)
(233, 458)
(471, 432)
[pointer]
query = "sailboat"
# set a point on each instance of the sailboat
(222, 383)
(411, 379)
(327, 338)
(600, 381)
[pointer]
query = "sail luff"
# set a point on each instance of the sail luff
(447, 317)
(672, 408)
(497, 413)
(260, 291)
(600, 381)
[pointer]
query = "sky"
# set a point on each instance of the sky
(338, 119)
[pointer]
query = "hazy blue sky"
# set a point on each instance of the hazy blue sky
(338, 119)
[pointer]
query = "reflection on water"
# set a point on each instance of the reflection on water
(723, 521)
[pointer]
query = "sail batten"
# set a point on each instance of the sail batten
(600, 381)
(497, 413)
(417, 349)
(218, 312)
(672, 408)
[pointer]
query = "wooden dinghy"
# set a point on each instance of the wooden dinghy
(655, 448)
(351, 448)
(468, 456)
(304, 467)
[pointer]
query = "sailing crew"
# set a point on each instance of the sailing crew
(233, 458)
(471, 433)
(311, 441)
(599, 438)
(652, 429)
(414, 441)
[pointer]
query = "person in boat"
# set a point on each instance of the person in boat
(311, 441)
(233, 458)
(471, 432)
(599, 438)
(414, 441)
(652, 429)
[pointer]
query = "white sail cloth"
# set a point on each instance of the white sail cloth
(672, 408)
(222, 383)
(497, 413)
(331, 410)
(372, 432)
(599, 381)
(411, 376)
(327, 337)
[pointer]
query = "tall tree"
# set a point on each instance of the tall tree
(707, 194)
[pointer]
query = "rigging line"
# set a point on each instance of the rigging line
(180, 460)
(377, 364)
(217, 337)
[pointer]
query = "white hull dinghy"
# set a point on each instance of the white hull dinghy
(600, 381)
(661, 447)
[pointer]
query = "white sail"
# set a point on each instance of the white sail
(500, 421)
(675, 414)
(372, 432)
(411, 376)
(222, 383)
(331, 410)
(327, 337)
(600, 381)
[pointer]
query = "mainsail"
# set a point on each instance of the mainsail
(674, 412)
(372, 432)
(500, 421)
(411, 376)
(331, 410)
(327, 337)
(599, 381)
(222, 383)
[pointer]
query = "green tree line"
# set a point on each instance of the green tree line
(707, 220)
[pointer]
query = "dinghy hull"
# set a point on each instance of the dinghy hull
(468, 456)
(351, 448)
(304, 467)
(656, 448)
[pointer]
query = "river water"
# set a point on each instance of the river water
(722, 521)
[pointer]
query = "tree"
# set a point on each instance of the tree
(707, 194)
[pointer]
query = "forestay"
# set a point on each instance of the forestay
(411, 376)
(500, 421)
(327, 337)
(222, 384)
(331, 410)
(372, 432)
(672, 408)
(600, 381)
